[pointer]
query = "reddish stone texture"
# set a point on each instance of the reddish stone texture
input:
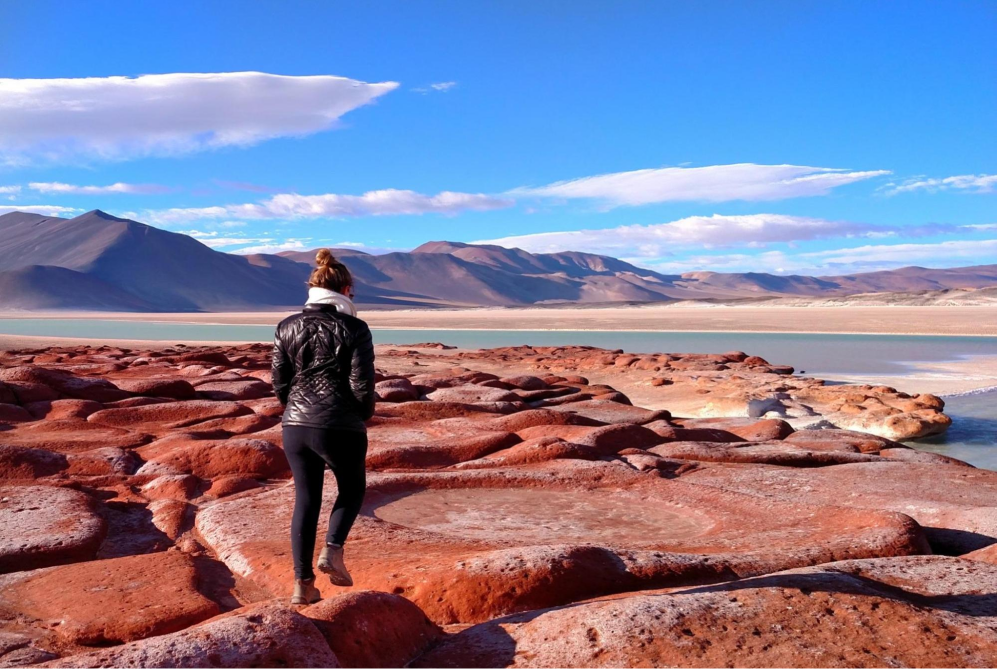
(917, 612)
(107, 601)
(42, 526)
(373, 629)
(263, 636)
(471, 558)
(507, 484)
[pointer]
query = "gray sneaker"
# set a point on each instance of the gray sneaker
(305, 592)
(331, 563)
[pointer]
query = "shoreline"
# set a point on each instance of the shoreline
(957, 321)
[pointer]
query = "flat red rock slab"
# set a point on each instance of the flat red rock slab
(109, 601)
(402, 444)
(767, 453)
(909, 611)
(471, 394)
(43, 525)
(156, 418)
(71, 436)
(211, 458)
(258, 636)
(467, 546)
(606, 411)
(178, 389)
(956, 505)
(242, 389)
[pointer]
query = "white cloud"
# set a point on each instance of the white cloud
(839, 261)
(41, 209)
(213, 240)
(116, 118)
(950, 253)
(661, 239)
(440, 87)
(714, 183)
(388, 202)
(72, 189)
(6, 190)
(287, 245)
(968, 183)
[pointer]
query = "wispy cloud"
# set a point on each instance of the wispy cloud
(41, 209)
(116, 118)
(54, 187)
(214, 240)
(714, 183)
(439, 87)
(290, 206)
(950, 253)
(9, 190)
(275, 247)
(838, 261)
(965, 183)
(716, 231)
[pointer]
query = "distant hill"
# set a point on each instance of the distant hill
(100, 262)
(148, 268)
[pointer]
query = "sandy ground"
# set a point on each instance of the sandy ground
(929, 320)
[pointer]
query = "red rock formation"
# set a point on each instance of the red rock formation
(146, 491)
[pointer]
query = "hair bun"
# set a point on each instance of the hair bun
(324, 258)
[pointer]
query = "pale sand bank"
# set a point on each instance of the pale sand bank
(904, 320)
(938, 378)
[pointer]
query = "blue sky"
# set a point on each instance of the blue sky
(820, 137)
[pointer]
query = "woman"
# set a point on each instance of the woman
(323, 370)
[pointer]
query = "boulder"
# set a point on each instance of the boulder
(373, 629)
(396, 390)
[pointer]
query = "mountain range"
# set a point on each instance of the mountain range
(99, 262)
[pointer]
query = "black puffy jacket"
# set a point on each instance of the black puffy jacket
(323, 369)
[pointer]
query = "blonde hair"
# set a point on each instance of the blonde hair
(330, 273)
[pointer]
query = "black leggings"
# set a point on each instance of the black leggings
(309, 451)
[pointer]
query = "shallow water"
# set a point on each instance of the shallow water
(973, 436)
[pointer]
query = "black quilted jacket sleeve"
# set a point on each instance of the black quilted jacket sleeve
(282, 370)
(323, 369)
(363, 371)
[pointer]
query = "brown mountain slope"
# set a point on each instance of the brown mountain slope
(119, 264)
